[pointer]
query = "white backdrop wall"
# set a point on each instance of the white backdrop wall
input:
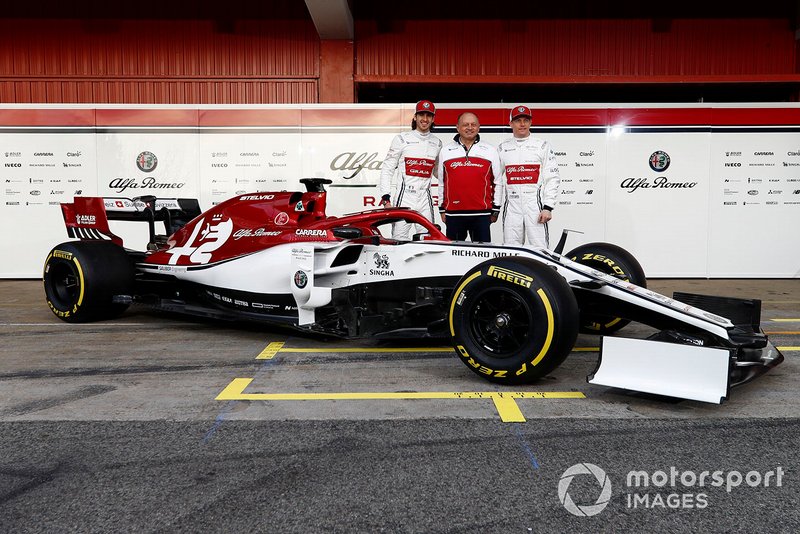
(727, 204)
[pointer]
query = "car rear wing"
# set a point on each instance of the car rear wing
(86, 218)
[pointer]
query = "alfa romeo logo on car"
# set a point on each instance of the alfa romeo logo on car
(659, 161)
(602, 499)
(146, 161)
(300, 279)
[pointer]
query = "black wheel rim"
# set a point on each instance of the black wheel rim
(501, 321)
(64, 285)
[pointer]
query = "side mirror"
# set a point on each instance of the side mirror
(421, 236)
(347, 232)
(315, 185)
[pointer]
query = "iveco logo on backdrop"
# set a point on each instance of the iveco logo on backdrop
(737, 164)
(13, 164)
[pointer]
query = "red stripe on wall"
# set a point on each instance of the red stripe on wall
(250, 117)
(47, 117)
(659, 117)
(354, 117)
(487, 117)
(396, 117)
(756, 116)
(568, 117)
(147, 117)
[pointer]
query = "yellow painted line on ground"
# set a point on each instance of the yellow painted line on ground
(784, 333)
(508, 409)
(786, 320)
(270, 351)
(504, 402)
(788, 349)
(323, 350)
(371, 349)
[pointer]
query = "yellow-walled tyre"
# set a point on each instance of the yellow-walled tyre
(513, 320)
(613, 260)
(81, 279)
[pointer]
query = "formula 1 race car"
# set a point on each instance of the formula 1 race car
(511, 313)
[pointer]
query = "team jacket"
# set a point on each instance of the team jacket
(468, 178)
(530, 172)
(415, 154)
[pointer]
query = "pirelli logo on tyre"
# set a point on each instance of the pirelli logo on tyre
(510, 276)
(63, 255)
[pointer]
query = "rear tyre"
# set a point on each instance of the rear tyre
(81, 279)
(613, 260)
(513, 321)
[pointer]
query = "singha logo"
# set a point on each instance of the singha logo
(381, 261)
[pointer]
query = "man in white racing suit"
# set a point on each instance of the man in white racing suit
(529, 185)
(415, 153)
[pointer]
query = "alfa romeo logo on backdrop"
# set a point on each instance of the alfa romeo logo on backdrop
(146, 161)
(659, 161)
(590, 509)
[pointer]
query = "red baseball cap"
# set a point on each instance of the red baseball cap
(520, 111)
(425, 106)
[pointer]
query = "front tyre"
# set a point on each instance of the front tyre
(81, 279)
(512, 321)
(613, 260)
